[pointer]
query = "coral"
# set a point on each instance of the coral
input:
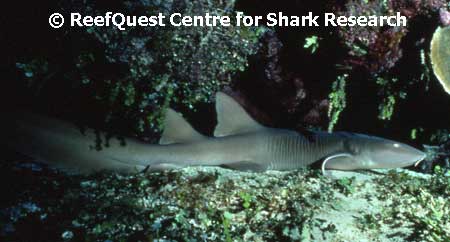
(440, 56)
(378, 48)
(296, 64)
(422, 205)
(438, 155)
(379, 51)
(272, 48)
(135, 73)
(132, 75)
(375, 48)
(211, 204)
(444, 16)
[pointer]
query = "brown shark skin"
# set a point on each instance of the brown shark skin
(240, 143)
(65, 146)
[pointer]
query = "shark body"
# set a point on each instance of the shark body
(239, 142)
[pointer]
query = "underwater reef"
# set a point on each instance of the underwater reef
(369, 80)
(137, 72)
(216, 204)
(386, 81)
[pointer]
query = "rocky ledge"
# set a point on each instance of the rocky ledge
(215, 204)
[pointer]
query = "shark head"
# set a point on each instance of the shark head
(370, 152)
(376, 152)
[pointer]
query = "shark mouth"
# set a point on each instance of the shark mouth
(420, 160)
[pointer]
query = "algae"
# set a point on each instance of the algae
(215, 204)
(337, 100)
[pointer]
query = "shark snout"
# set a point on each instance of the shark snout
(408, 156)
(422, 156)
(390, 154)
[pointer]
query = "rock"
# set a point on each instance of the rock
(211, 203)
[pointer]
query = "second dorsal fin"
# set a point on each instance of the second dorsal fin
(177, 129)
(232, 118)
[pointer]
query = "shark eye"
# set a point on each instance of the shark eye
(396, 145)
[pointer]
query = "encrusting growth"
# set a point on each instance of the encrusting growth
(440, 56)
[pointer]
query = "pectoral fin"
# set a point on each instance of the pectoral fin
(246, 166)
(163, 167)
(341, 161)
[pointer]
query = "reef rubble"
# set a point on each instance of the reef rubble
(210, 204)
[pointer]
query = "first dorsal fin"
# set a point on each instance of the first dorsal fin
(232, 118)
(177, 130)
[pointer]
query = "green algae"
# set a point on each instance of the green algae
(211, 204)
(338, 100)
(132, 75)
(312, 43)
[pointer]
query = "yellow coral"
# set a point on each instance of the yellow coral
(440, 56)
